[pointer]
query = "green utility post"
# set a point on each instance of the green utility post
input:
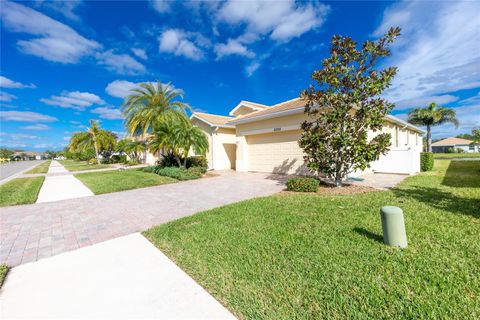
(393, 227)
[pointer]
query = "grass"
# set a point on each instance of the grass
(3, 273)
(72, 165)
(113, 181)
(306, 256)
(41, 168)
(455, 155)
(20, 191)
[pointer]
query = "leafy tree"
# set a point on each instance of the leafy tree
(132, 148)
(463, 136)
(99, 139)
(177, 136)
(149, 104)
(476, 137)
(6, 153)
(344, 105)
(432, 115)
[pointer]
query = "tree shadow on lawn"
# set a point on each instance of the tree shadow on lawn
(442, 200)
(462, 174)
(370, 235)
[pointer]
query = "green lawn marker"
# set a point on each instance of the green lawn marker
(393, 227)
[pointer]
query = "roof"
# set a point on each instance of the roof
(212, 119)
(283, 106)
(259, 105)
(451, 142)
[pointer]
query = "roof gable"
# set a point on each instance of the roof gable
(252, 106)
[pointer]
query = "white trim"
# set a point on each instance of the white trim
(301, 110)
(211, 124)
(269, 115)
(245, 104)
(270, 130)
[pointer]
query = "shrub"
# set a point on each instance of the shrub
(92, 161)
(197, 170)
(178, 173)
(303, 184)
(197, 161)
(460, 150)
(150, 169)
(450, 150)
(426, 161)
(132, 162)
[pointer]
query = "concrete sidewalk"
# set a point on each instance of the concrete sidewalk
(61, 187)
(124, 278)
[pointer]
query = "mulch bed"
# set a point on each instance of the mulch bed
(347, 189)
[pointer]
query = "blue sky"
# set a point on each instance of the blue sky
(65, 62)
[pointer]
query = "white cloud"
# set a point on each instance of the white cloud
(281, 20)
(438, 52)
(120, 88)
(108, 113)
(141, 53)
(25, 116)
(180, 43)
(120, 63)
(54, 41)
(8, 83)
(162, 6)
(251, 68)
(232, 47)
(75, 99)
(5, 96)
(38, 126)
(424, 101)
(65, 7)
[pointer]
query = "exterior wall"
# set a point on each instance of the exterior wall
(271, 146)
(223, 148)
(209, 132)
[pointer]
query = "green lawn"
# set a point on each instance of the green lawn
(113, 181)
(3, 273)
(455, 155)
(72, 165)
(304, 256)
(20, 191)
(41, 168)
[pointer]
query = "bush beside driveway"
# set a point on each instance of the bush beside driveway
(304, 256)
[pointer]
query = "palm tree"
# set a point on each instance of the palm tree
(149, 104)
(132, 148)
(431, 116)
(95, 137)
(177, 136)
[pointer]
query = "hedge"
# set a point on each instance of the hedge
(303, 184)
(426, 161)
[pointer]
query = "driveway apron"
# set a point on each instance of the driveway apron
(31, 232)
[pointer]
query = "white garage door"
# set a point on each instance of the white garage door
(275, 152)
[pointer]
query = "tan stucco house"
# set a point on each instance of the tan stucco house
(454, 143)
(261, 138)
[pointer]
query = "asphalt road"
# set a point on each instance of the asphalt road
(14, 167)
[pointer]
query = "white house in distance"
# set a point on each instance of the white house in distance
(262, 138)
(444, 145)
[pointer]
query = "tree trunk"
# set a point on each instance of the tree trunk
(429, 138)
(178, 161)
(97, 156)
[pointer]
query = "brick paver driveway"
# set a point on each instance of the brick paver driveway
(32, 232)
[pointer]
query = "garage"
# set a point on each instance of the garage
(276, 152)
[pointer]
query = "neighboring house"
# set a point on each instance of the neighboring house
(444, 145)
(27, 155)
(263, 138)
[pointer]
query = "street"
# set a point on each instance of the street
(14, 167)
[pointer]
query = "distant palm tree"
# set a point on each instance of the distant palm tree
(431, 116)
(95, 137)
(149, 104)
(177, 136)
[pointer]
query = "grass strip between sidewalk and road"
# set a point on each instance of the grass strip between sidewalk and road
(310, 256)
(72, 165)
(20, 191)
(3, 273)
(120, 180)
(41, 168)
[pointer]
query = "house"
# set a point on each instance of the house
(452, 144)
(27, 155)
(261, 138)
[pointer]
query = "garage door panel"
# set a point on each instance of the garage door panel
(275, 152)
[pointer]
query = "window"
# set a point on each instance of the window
(471, 147)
